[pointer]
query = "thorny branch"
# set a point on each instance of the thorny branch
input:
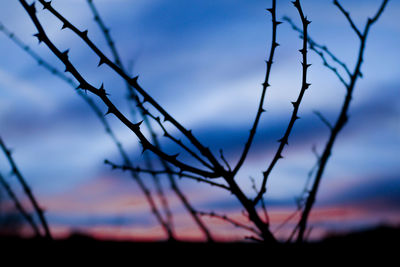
(100, 116)
(28, 191)
(342, 118)
(231, 221)
(206, 152)
(132, 96)
(321, 50)
(296, 104)
(101, 92)
(19, 206)
(265, 85)
(151, 171)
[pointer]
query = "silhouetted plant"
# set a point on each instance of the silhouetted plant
(28, 192)
(213, 167)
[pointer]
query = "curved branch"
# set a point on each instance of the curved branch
(304, 86)
(265, 85)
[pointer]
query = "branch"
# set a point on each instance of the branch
(265, 85)
(231, 221)
(100, 116)
(150, 171)
(101, 93)
(18, 205)
(320, 50)
(133, 96)
(323, 119)
(27, 189)
(347, 15)
(304, 86)
(132, 82)
(340, 122)
(145, 112)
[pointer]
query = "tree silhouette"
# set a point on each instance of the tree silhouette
(210, 168)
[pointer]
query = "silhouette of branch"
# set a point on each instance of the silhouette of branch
(19, 206)
(28, 191)
(132, 81)
(151, 171)
(231, 221)
(98, 113)
(102, 94)
(341, 120)
(323, 119)
(265, 85)
(133, 96)
(264, 208)
(347, 15)
(145, 112)
(304, 86)
(317, 49)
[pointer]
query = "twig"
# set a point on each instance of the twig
(98, 113)
(264, 208)
(265, 85)
(320, 50)
(151, 171)
(132, 96)
(27, 190)
(341, 120)
(323, 119)
(19, 206)
(101, 92)
(347, 15)
(132, 81)
(304, 86)
(231, 221)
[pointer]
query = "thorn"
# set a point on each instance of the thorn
(138, 124)
(284, 140)
(265, 84)
(64, 26)
(297, 118)
(280, 156)
(276, 44)
(263, 110)
(174, 156)
(278, 23)
(32, 8)
(305, 65)
(144, 147)
(84, 33)
(303, 50)
(65, 54)
(296, 3)
(306, 21)
(271, 10)
(307, 85)
(109, 111)
(135, 79)
(80, 86)
(101, 62)
(102, 91)
(295, 104)
(46, 5)
(39, 36)
(67, 69)
(167, 118)
(269, 62)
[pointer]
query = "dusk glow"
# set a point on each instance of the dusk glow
(203, 61)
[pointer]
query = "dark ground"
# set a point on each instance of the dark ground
(382, 242)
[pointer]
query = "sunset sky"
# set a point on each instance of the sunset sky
(204, 62)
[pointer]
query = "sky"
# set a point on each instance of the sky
(204, 62)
